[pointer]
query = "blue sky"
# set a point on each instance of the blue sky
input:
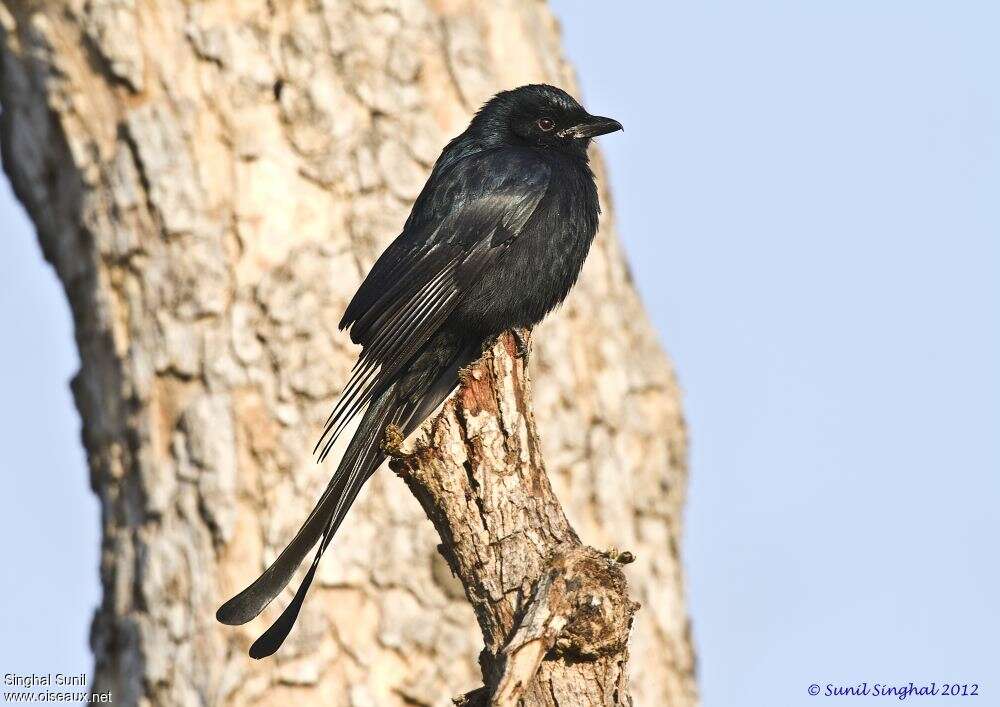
(809, 195)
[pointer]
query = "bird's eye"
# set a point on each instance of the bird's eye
(545, 124)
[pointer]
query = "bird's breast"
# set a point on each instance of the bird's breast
(540, 266)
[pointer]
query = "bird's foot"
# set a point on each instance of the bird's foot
(621, 557)
(522, 341)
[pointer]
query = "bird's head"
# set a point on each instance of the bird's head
(542, 116)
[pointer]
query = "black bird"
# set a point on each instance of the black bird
(495, 240)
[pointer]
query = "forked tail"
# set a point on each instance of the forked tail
(405, 403)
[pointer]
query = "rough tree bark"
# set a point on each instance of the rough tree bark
(210, 181)
(555, 614)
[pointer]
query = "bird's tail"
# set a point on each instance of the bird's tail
(405, 403)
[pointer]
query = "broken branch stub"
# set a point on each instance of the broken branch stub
(555, 614)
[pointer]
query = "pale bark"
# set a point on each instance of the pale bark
(211, 180)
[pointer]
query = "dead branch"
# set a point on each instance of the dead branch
(555, 614)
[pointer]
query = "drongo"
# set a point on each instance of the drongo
(494, 241)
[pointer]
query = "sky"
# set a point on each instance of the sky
(808, 193)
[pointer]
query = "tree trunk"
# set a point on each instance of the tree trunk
(211, 180)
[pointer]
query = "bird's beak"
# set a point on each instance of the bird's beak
(593, 126)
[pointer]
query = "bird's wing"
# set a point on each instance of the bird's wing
(461, 223)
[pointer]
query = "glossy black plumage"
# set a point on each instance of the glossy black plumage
(495, 240)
